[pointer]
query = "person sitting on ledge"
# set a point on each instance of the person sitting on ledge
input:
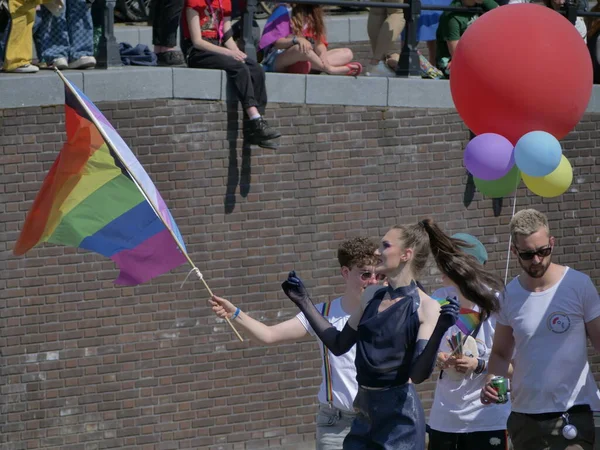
(294, 41)
(208, 43)
(452, 26)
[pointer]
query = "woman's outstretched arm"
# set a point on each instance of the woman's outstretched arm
(339, 342)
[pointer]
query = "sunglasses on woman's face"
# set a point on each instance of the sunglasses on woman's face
(366, 276)
(541, 252)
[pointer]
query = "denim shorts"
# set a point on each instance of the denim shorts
(268, 62)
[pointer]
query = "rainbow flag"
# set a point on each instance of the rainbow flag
(98, 197)
(467, 318)
(277, 26)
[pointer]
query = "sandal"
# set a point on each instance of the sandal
(355, 69)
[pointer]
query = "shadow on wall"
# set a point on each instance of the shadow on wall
(234, 177)
(470, 191)
(469, 194)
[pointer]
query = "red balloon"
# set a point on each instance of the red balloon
(521, 68)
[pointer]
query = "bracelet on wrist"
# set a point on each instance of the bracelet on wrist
(480, 366)
(236, 313)
(294, 40)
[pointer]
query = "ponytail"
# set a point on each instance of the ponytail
(474, 282)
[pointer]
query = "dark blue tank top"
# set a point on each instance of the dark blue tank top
(386, 340)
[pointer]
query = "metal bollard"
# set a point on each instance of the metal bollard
(571, 8)
(108, 48)
(408, 65)
(247, 20)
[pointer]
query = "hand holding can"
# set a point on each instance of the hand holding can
(500, 385)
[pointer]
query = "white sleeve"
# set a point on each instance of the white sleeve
(514, 2)
(590, 300)
(302, 318)
(502, 317)
(580, 26)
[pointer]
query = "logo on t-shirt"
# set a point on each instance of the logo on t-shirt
(558, 322)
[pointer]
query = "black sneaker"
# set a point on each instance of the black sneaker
(170, 58)
(258, 130)
(268, 144)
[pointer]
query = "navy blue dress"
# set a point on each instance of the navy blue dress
(389, 412)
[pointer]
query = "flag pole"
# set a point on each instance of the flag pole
(139, 186)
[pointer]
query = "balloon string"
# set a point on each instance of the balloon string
(510, 239)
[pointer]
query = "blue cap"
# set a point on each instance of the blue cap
(477, 250)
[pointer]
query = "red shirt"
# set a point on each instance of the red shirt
(211, 14)
(308, 33)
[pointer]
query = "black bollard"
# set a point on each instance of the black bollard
(408, 65)
(247, 21)
(108, 48)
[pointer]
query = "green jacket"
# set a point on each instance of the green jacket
(453, 25)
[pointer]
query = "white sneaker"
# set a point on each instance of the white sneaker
(27, 68)
(380, 70)
(60, 63)
(85, 62)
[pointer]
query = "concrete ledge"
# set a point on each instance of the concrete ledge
(147, 83)
(419, 93)
(332, 90)
(287, 88)
(42, 89)
(200, 84)
(135, 83)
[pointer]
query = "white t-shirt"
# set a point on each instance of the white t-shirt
(579, 22)
(343, 371)
(551, 369)
(456, 405)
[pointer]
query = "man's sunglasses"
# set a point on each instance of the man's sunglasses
(366, 276)
(528, 256)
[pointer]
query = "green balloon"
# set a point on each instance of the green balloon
(500, 187)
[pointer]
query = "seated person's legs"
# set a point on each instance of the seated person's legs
(338, 61)
(249, 81)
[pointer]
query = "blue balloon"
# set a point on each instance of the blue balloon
(537, 154)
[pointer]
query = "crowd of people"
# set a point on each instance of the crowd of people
(386, 333)
(294, 40)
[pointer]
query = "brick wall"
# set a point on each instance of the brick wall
(87, 365)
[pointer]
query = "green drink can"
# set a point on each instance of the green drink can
(500, 384)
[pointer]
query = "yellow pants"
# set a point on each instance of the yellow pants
(19, 46)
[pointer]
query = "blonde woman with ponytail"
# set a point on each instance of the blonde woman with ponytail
(397, 331)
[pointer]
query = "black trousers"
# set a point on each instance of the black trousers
(248, 77)
(479, 440)
(166, 15)
(544, 431)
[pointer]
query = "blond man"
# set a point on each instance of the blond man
(546, 316)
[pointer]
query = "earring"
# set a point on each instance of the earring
(569, 431)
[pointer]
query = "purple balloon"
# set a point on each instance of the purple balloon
(489, 156)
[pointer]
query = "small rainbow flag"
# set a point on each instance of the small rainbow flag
(467, 318)
(278, 26)
(98, 197)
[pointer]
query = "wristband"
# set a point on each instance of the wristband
(294, 40)
(480, 366)
(235, 314)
